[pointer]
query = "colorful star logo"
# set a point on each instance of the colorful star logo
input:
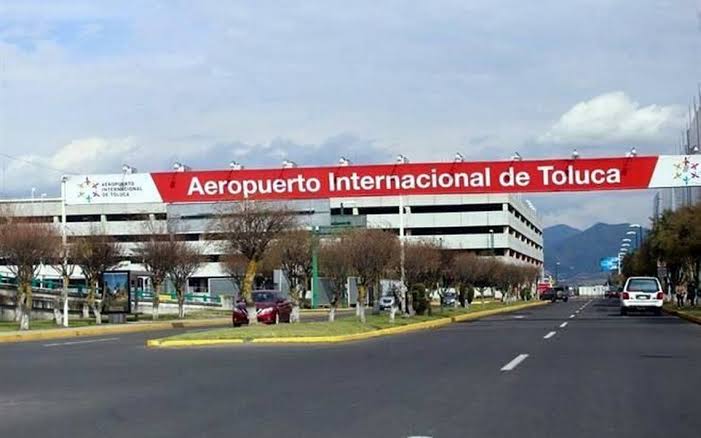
(686, 171)
(88, 189)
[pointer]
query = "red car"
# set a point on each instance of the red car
(271, 307)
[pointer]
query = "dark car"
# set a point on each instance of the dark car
(449, 299)
(613, 293)
(271, 307)
(555, 293)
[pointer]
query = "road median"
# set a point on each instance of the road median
(297, 334)
(107, 329)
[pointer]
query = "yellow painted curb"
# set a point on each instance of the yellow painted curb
(62, 333)
(683, 315)
(425, 325)
(200, 343)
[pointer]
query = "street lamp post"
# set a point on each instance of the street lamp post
(557, 271)
(401, 159)
(64, 245)
(639, 233)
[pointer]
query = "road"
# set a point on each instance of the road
(525, 374)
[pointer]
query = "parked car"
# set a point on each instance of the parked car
(386, 302)
(642, 293)
(271, 307)
(449, 299)
(556, 293)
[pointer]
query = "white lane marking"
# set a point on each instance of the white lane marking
(577, 311)
(563, 325)
(571, 316)
(549, 335)
(519, 317)
(92, 341)
(514, 362)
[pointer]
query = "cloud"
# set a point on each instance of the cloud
(103, 155)
(581, 210)
(82, 156)
(326, 152)
(212, 81)
(614, 118)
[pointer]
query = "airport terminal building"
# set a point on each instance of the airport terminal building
(501, 224)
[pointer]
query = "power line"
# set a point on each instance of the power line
(32, 163)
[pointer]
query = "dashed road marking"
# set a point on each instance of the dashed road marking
(571, 316)
(563, 325)
(514, 362)
(549, 335)
(91, 341)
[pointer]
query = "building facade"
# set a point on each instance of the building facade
(499, 224)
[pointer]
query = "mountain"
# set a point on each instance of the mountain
(579, 252)
(557, 233)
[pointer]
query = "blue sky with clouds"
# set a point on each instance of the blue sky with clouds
(87, 85)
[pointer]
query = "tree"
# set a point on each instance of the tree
(422, 259)
(444, 276)
(25, 246)
(95, 254)
(247, 228)
(158, 256)
(292, 252)
(61, 263)
(466, 268)
(372, 253)
(334, 264)
(486, 272)
(185, 261)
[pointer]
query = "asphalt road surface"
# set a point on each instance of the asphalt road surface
(574, 369)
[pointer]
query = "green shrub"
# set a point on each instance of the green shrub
(421, 300)
(470, 294)
(525, 294)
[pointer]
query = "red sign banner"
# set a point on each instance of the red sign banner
(561, 175)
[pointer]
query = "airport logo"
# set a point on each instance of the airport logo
(88, 190)
(686, 171)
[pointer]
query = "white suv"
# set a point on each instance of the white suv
(642, 293)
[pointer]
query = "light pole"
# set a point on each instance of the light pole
(557, 271)
(401, 159)
(491, 241)
(639, 231)
(64, 248)
(633, 233)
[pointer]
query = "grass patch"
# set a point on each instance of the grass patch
(344, 325)
(195, 314)
(693, 311)
(42, 324)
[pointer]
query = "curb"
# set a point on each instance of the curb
(62, 333)
(683, 315)
(174, 343)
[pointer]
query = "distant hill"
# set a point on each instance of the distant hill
(557, 233)
(579, 252)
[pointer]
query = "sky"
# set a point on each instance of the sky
(86, 86)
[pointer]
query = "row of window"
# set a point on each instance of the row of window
(457, 208)
(523, 219)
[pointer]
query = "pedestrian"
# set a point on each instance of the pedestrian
(691, 294)
(680, 292)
